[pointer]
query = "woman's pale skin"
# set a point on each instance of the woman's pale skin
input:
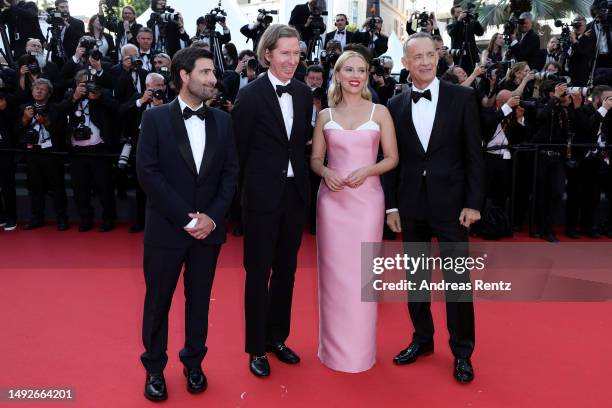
(351, 113)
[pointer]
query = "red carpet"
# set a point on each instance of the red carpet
(71, 305)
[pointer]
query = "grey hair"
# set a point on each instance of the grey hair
(527, 16)
(43, 81)
(151, 76)
(416, 36)
(128, 47)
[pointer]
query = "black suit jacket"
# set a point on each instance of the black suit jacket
(453, 161)
(299, 15)
(124, 87)
(580, 62)
(514, 131)
(381, 44)
(73, 34)
(350, 37)
(263, 146)
(168, 176)
(528, 49)
(173, 38)
(22, 19)
(119, 31)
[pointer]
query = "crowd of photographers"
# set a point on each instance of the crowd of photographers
(543, 111)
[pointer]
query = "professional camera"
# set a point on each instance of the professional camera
(264, 16)
(528, 104)
(470, 14)
(80, 132)
(168, 15)
(136, 62)
(34, 68)
(585, 91)
(456, 52)
(158, 94)
(90, 84)
(379, 67)
(40, 110)
(564, 39)
(165, 72)
(31, 136)
(56, 17)
(124, 156)
(216, 15)
(252, 64)
(91, 48)
(517, 7)
(553, 77)
(317, 23)
(329, 59)
(423, 18)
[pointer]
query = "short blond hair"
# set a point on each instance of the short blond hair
(270, 38)
(334, 95)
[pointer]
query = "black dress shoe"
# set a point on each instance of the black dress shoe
(412, 352)
(259, 365)
(155, 387)
(62, 224)
(550, 237)
(106, 226)
(136, 228)
(283, 353)
(85, 226)
(572, 233)
(196, 380)
(33, 225)
(464, 372)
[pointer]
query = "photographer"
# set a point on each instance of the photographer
(206, 29)
(552, 53)
(302, 17)
(90, 134)
(245, 72)
(502, 126)
(495, 50)
(600, 28)
(132, 110)
(426, 22)
(382, 81)
(41, 131)
(583, 188)
(21, 19)
(556, 124)
(519, 80)
(144, 41)
(581, 52)
(168, 29)
(126, 30)
(526, 45)
(8, 195)
(463, 31)
(254, 30)
(70, 32)
(371, 36)
(104, 41)
(88, 57)
(340, 34)
(29, 71)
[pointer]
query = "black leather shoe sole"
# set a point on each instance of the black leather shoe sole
(156, 398)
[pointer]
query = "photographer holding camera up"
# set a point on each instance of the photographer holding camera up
(87, 57)
(254, 30)
(169, 33)
(67, 31)
(425, 22)
(581, 52)
(90, 134)
(525, 45)
(41, 130)
(21, 19)
(463, 31)
(371, 36)
(245, 72)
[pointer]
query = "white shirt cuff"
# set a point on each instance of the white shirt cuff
(99, 73)
(391, 210)
(138, 104)
(521, 121)
(194, 221)
(506, 109)
(513, 43)
(602, 111)
(75, 59)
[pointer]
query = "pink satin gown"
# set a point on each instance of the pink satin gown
(345, 219)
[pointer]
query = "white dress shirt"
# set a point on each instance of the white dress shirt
(147, 62)
(423, 116)
(96, 137)
(196, 132)
(341, 38)
(286, 105)
(499, 137)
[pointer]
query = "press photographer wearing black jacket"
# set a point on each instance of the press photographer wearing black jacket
(21, 18)
(40, 131)
(8, 195)
(91, 134)
(169, 33)
(463, 31)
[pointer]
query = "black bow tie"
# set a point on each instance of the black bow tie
(280, 90)
(200, 113)
(418, 95)
(340, 32)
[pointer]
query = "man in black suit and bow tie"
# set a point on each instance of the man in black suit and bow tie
(272, 123)
(187, 166)
(340, 34)
(436, 191)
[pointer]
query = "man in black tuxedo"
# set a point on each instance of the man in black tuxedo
(526, 46)
(371, 36)
(127, 30)
(21, 19)
(169, 37)
(131, 76)
(71, 32)
(340, 34)
(436, 191)
(272, 122)
(581, 52)
(187, 166)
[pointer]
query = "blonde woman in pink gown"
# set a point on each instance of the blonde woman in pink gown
(350, 210)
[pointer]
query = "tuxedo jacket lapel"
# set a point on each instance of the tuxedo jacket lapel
(211, 144)
(297, 109)
(408, 124)
(180, 133)
(272, 99)
(444, 101)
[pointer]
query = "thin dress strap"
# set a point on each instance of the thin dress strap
(330, 114)
(373, 109)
